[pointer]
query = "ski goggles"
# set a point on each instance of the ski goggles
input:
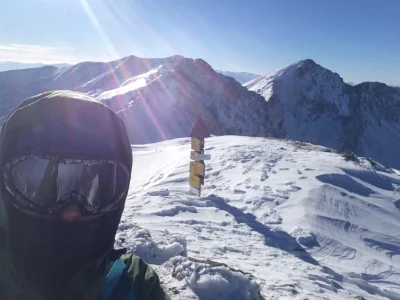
(45, 185)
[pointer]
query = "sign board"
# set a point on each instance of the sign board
(195, 181)
(197, 145)
(200, 157)
(197, 168)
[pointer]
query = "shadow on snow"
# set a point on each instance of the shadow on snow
(277, 239)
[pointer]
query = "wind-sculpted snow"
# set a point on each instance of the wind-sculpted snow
(276, 220)
(345, 182)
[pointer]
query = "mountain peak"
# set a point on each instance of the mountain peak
(298, 68)
(308, 62)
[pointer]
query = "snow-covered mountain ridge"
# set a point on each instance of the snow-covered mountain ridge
(307, 102)
(159, 99)
(287, 219)
(12, 65)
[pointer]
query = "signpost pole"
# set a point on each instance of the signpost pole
(197, 167)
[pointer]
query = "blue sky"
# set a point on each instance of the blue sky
(359, 39)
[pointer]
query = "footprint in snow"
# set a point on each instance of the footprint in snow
(290, 183)
(272, 217)
(237, 191)
(159, 193)
(231, 166)
(267, 188)
(295, 188)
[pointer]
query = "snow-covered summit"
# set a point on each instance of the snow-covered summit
(307, 102)
(303, 76)
(100, 76)
(171, 100)
(285, 219)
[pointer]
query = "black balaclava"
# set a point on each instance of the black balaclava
(47, 256)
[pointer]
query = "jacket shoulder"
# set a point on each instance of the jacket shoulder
(146, 283)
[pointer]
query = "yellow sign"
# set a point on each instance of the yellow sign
(195, 181)
(197, 145)
(197, 168)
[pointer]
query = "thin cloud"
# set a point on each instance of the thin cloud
(37, 54)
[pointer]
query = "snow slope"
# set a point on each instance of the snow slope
(167, 106)
(307, 102)
(88, 77)
(276, 220)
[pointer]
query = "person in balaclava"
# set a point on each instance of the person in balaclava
(66, 165)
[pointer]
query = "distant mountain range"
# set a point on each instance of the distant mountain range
(11, 65)
(160, 98)
(241, 77)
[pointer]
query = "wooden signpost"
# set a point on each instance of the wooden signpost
(197, 167)
(197, 144)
